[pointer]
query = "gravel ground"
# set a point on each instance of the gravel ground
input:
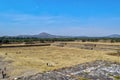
(98, 70)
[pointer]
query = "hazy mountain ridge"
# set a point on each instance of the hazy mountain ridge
(42, 35)
(47, 35)
(114, 36)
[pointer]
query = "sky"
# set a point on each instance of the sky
(60, 17)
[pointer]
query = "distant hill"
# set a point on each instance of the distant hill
(47, 35)
(114, 36)
(42, 35)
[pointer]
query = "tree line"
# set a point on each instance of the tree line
(8, 40)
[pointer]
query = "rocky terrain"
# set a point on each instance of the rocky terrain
(4, 69)
(98, 70)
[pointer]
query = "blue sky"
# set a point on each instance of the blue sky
(61, 17)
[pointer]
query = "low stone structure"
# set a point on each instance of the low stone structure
(89, 46)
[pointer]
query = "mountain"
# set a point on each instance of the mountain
(45, 35)
(114, 36)
(42, 35)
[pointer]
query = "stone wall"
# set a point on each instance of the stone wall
(90, 46)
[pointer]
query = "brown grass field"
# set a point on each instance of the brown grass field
(35, 59)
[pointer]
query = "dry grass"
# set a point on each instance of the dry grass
(103, 43)
(35, 58)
